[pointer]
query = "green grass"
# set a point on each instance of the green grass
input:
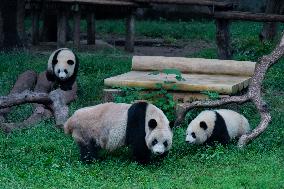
(43, 157)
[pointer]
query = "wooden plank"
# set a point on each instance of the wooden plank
(260, 17)
(92, 2)
(190, 2)
(223, 39)
(223, 84)
(193, 65)
(130, 32)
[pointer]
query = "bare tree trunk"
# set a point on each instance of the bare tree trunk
(269, 29)
(21, 19)
(11, 38)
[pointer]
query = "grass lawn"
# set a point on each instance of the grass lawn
(43, 157)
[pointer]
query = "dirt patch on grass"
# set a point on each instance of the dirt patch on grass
(143, 46)
(163, 47)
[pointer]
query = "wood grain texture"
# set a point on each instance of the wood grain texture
(223, 84)
(193, 65)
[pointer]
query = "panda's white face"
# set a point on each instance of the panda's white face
(200, 129)
(158, 133)
(159, 141)
(195, 134)
(64, 65)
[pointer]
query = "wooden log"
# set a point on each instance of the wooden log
(35, 27)
(110, 94)
(130, 32)
(25, 81)
(77, 19)
(91, 28)
(193, 65)
(259, 17)
(223, 39)
(61, 28)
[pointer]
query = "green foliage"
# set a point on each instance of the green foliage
(212, 95)
(161, 98)
(176, 72)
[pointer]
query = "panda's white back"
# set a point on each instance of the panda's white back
(236, 123)
(105, 123)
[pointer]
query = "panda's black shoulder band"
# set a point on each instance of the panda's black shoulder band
(135, 131)
(220, 133)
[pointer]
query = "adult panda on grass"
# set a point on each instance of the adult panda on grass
(62, 68)
(216, 126)
(142, 126)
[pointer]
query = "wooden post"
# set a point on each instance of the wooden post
(223, 39)
(1, 29)
(91, 28)
(77, 19)
(61, 28)
(21, 18)
(130, 32)
(35, 27)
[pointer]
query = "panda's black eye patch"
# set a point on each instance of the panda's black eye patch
(166, 144)
(58, 71)
(70, 62)
(203, 125)
(54, 62)
(193, 135)
(65, 71)
(154, 142)
(152, 123)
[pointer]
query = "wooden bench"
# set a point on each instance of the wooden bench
(226, 77)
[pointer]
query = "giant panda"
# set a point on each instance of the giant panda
(141, 126)
(62, 68)
(216, 126)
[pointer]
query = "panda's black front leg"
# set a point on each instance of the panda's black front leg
(88, 152)
(50, 76)
(66, 87)
(142, 156)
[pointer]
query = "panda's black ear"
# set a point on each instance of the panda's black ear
(152, 124)
(203, 125)
(70, 62)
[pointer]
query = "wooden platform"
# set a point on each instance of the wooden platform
(222, 76)
(223, 84)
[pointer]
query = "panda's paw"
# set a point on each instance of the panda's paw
(66, 88)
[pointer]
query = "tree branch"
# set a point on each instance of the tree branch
(46, 103)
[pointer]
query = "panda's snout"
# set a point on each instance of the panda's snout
(189, 139)
(62, 75)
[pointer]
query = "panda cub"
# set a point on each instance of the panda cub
(219, 125)
(141, 126)
(62, 68)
